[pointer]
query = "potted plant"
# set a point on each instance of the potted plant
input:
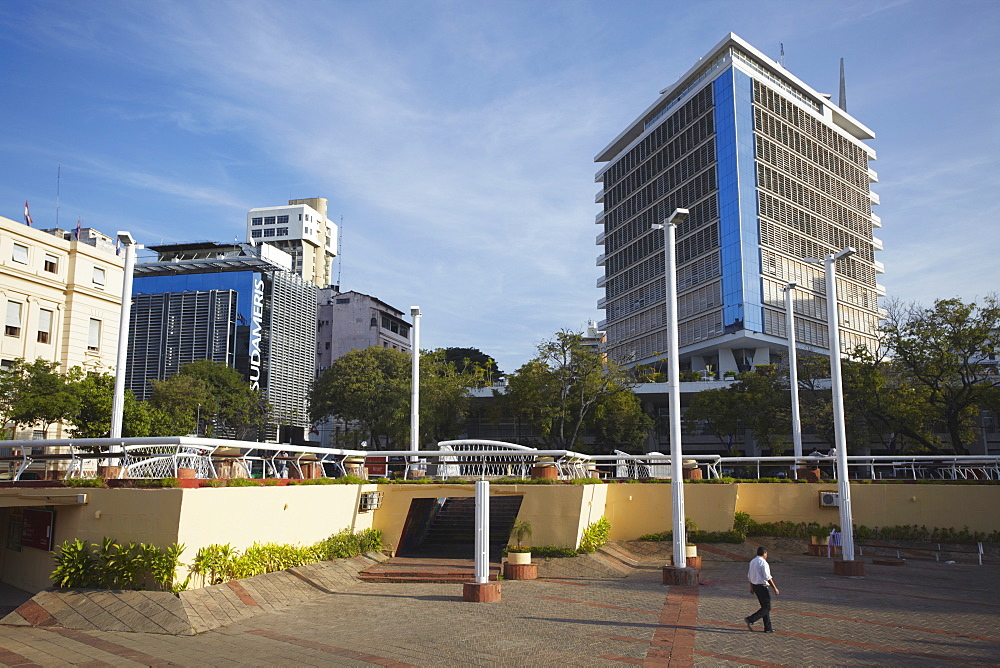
(819, 536)
(519, 554)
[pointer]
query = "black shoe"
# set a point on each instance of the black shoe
(768, 630)
(749, 623)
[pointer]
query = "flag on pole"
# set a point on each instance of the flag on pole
(27, 214)
(118, 246)
(76, 234)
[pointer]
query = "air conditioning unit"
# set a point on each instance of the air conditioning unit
(370, 501)
(829, 499)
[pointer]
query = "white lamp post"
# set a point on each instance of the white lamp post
(415, 385)
(837, 390)
(118, 399)
(793, 377)
(669, 228)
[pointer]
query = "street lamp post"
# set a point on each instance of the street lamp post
(415, 385)
(669, 228)
(793, 377)
(118, 398)
(837, 390)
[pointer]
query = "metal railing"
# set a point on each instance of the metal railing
(470, 458)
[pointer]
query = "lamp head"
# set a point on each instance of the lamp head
(791, 285)
(678, 216)
(126, 238)
(414, 311)
(847, 252)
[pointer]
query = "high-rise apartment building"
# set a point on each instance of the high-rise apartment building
(302, 230)
(773, 173)
(236, 304)
(61, 295)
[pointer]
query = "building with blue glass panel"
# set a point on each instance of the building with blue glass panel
(240, 305)
(773, 173)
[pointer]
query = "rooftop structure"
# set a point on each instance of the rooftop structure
(302, 230)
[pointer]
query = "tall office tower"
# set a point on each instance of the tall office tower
(772, 173)
(236, 304)
(302, 230)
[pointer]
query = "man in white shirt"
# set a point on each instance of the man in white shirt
(760, 584)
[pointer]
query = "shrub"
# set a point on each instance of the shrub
(552, 552)
(243, 482)
(112, 565)
(85, 482)
(595, 535)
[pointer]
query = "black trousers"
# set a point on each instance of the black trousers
(763, 593)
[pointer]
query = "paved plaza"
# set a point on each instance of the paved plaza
(923, 613)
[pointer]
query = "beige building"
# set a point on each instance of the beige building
(61, 299)
(302, 230)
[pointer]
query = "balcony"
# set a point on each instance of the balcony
(602, 302)
(602, 281)
(876, 221)
(603, 257)
(600, 238)
(602, 324)
(877, 244)
(872, 176)
(599, 197)
(879, 267)
(875, 198)
(880, 289)
(599, 218)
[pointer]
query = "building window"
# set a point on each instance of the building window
(44, 325)
(100, 276)
(282, 231)
(385, 322)
(51, 263)
(269, 232)
(269, 220)
(94, 339)
(256, 221)
(282, 220)
(326, 345)
(20, 254)
(6, 364)
(255, 234)
(13, 326)
(374, 322)
(343, 300)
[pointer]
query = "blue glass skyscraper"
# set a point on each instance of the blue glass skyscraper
(773, 173)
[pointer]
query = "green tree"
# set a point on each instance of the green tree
(234, 406)
(444, 394)
(619, 423)
(558, 390)
(942, 350)
(175, 404)
(475, 361)
(759, 401)
(92, 419)
(369, 387)
(36, 394)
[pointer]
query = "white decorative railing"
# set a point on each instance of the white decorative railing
(470, 458)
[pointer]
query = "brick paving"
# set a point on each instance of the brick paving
(923, 613)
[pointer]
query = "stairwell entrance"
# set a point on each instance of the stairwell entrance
(445, 527)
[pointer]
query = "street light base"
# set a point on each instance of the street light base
(848, 568)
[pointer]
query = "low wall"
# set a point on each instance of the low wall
(303, 514)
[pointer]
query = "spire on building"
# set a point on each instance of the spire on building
(842, 102)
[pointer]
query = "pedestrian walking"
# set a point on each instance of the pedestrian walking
(760, 585)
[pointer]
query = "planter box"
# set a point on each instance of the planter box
(519, 558)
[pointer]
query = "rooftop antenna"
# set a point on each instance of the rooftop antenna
(842, 102)
(58, 182)
(340, 258)
(782, 57)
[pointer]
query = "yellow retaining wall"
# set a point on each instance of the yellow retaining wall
(558, 513)
(637, 509)
(876, 505)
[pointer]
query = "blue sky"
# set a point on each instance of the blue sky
(456, 139)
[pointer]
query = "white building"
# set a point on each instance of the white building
(302, 230)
